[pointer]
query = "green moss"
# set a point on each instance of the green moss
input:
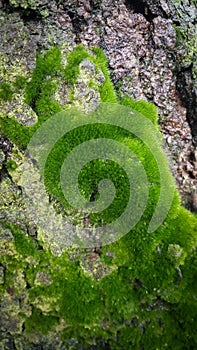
(20, 82)
(90, 175)
(11, 165)
(95, 171)
(106, 90)
(147, 109)
(23, 243)
(89, 306)
(47, 66)
(179, 35)
(92, 85)
(71, 71)
(42, 86)
(120, 298)
(17, 133)
(44, 105)
(38, 95)
(39, 323)
(5, 91)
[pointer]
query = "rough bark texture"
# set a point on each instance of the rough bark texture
(151, 51)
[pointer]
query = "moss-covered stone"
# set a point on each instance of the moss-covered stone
(138, 292)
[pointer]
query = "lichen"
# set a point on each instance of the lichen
(39, 5)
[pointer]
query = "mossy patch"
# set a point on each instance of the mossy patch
(11, 165)
(71, 71)
(39, 323)
(23, 244)
(47, 67)
(6, 92)
(40, 90)
(147, 109)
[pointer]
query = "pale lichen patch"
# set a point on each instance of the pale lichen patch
(86, 97)
(17, 108)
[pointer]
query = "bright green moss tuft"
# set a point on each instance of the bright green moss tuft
(17, 133)
(24, 245)
(47, 66)
(71, 73)
(39, 323)
(89, 306)
(20, 82)
(38, 95)
(148, 109)
(74, 58)
(91, 174)
(11, 165)
(183, 229)
(45, 106)
(42, 86)
(106, 90)
(95, 171)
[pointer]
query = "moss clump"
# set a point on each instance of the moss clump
(71, 71)
(38, 95)
(6, 92)
(106, 90)
(11, 165)
(47, 67)
(40, 91)
(20, 82)
(147, 109)
(39, 323)
(93, 172)
(23, 243)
